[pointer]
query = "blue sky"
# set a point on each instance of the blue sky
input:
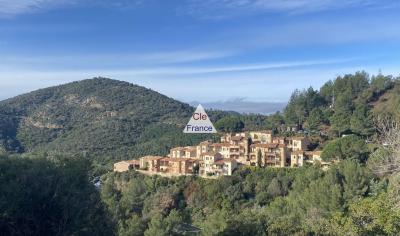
(197, 50)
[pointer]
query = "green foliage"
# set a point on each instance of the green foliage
(163, 226)
(49, 197)
(361, 121)
(345, 104)
(301, 103)
(370, 216)
(133, 226)
(230, 124)
(254, 201)
(348, 147)
(315, 119)
(104, 119)
(98, 118)
(259, 158)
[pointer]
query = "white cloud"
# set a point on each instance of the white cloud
(308, 5)
(148, 65)
(217, 9)
(15, 7)
(162, 71)
(111, 60)
(257, 85)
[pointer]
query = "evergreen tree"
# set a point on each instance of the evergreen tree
(259, 158)
(361, 121)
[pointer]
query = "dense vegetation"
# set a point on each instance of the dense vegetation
(49, 196)
(345, 105)
(95, 117)
(43, 193)
(345, 200)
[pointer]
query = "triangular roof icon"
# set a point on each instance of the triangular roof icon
(199, 123)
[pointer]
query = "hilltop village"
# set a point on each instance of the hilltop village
(254, 148)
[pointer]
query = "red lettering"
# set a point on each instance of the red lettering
(199, 116)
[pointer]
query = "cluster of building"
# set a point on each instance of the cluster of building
(253, 148)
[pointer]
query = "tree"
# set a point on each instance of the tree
(132, 200)
(295, 111)
(386, 159)
(275, 188)
(355, 180)
(361, 121)
(216, 223)
(230, 124)
(371, 216)
(259, 158)
(50, 197)
(340, 121)
(380, 83)
(162, 202)
(133, 226)
(161, 226)
(315, 119)
(349, 147)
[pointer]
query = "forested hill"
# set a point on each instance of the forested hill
(119, 120)
(347, 104)
(94, 116)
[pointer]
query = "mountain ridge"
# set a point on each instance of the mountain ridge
(99, 115)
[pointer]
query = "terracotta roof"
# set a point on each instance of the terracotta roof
(210, 153)
(152, 157)
(187, 148)
(178, 148)
(191, 148)
(135, 162)
(225, 160)
(237, 138)
(179, 159)
(220, 144)
(216, 144)
(206, 142)
(265, 145)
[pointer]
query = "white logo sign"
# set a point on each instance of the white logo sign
(199, 123)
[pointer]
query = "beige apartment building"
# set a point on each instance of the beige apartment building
(213, 163)
(298, 143)
(272, 154)
(261, 136)
(150, 163)
(207, 161)
(126, 165)
(184, 152)
(224, 167)
(244, 148)
(297, 158)
(203, 147)
(178, 166)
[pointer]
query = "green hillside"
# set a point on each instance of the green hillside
(345, 105)
(96, 116)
